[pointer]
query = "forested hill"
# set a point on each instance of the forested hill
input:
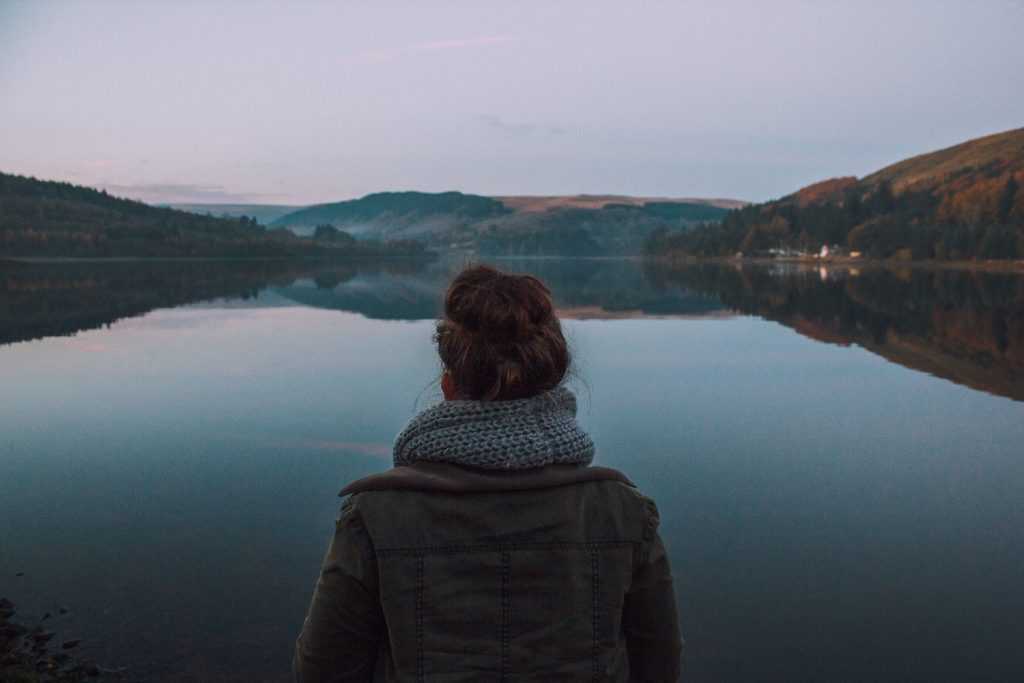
(409, 214)
(963, 202)
(509, 226)
(40, 218)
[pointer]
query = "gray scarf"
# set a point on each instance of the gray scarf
(498, 435)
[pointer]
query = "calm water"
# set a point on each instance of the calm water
(837, 456)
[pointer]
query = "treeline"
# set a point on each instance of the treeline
(613, 230)
(40, 300)
(981, 217)
(54, 219)
(393, 212)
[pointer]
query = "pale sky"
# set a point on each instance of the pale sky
(300, 102)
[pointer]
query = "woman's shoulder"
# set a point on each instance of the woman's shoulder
(450, 478)
(439, 499)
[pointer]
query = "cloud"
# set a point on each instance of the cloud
(515, 129)
(167, 193)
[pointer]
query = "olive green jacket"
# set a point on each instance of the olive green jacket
(442, 573)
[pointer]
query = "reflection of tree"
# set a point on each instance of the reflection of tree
(965, 326)
(39, 300)
(331, 279)
(581, 288)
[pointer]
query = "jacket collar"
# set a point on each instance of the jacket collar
(449, 478)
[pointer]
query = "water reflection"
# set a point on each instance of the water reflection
(964, 326)
(583, 289)
(967, 327)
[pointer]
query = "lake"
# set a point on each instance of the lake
(837, 454)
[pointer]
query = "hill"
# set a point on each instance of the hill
(40, 218)
(959, 203)
(395, 214)
(612, 230)
(263, 213)
(580, 225)
(942, 170)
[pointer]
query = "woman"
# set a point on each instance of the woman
(493, 551)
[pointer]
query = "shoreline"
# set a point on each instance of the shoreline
(995, 266)
(992, 265)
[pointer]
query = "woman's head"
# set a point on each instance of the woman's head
(499, 338)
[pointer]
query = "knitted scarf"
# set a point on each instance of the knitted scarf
(498, 435)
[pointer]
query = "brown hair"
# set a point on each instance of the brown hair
(499, 338)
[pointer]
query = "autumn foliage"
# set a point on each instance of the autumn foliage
(964, 202)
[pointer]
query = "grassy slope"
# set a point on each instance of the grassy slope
(932, 171)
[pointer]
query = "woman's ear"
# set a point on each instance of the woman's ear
(448, 386)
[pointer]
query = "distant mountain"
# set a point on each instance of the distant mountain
(395, 214)
(263, 213)
(962, 202)
(579, 225)
(611, 230)
(40, 218)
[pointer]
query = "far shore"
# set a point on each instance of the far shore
(991, 265)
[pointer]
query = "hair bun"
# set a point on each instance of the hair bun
(500, 308)
(500, 337)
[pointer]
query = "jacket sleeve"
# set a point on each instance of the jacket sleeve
(651, 623)
(342, 632)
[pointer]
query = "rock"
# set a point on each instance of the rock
(42, 636)
(12, 631)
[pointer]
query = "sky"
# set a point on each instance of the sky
(304, 102)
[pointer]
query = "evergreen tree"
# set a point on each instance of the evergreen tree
(883, 200)
(854, 206)
(1006, 199)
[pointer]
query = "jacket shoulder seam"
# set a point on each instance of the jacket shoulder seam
(452, 549)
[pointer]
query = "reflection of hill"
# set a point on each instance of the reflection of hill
(375, 295)
(60, 299)
(38, 300)
(582, 288)
(967, 327)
